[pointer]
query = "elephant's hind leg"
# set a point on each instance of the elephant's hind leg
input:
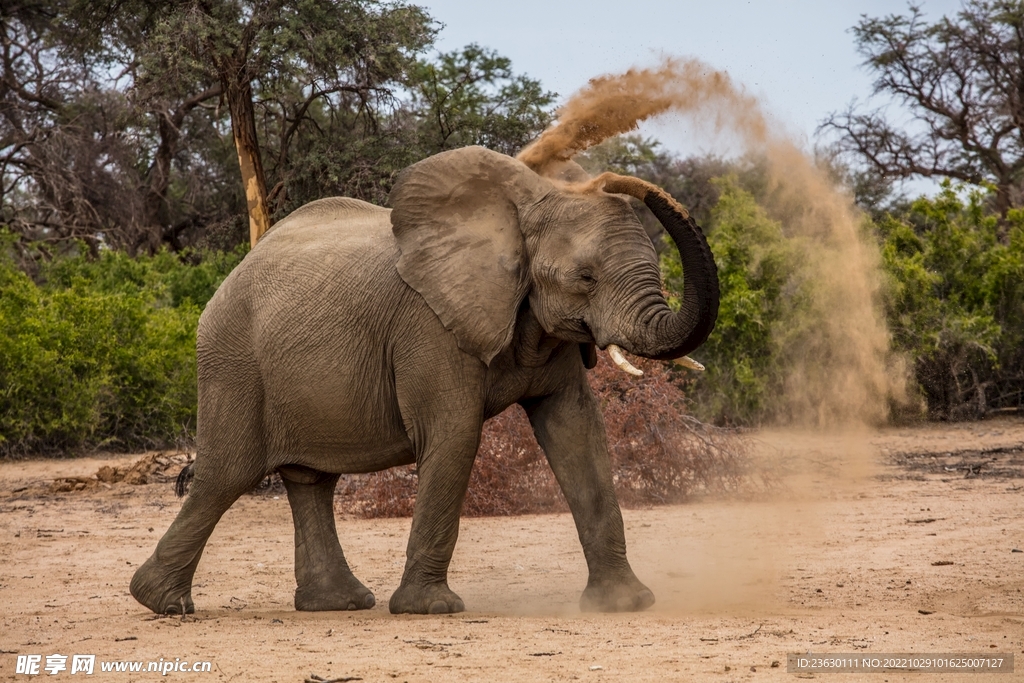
(164, 582)
(324, 579)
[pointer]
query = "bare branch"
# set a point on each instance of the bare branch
(962, 81)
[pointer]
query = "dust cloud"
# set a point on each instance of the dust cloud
(839, 374)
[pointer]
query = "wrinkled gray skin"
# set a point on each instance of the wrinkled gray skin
(355, 338)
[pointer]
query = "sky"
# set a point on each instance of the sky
(798, 57)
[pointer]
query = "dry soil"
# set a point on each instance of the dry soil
(899, 541)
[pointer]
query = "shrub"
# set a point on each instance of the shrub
(172, 279)
(659, 455)
(955, 301)
(763, 293)
(953, 296)
(101, 352)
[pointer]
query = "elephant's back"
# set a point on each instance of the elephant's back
(332, 246)
(334, 225)
(330, 212)
(325, 266)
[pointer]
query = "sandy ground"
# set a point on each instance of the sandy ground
(842, 558)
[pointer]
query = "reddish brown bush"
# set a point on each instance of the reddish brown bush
(659, 455)
(510, 477)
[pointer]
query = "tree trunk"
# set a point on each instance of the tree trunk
(159, 180)
(243, 127)
(157, 206)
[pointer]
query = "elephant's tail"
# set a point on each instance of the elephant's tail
(184, 479)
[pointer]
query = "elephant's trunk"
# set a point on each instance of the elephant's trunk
(660, 333)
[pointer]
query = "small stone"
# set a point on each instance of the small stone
(136, 478)
(596, 667)
(109, 475)
(776, 664)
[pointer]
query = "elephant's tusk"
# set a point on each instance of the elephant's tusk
(620, 361)
(688, 362)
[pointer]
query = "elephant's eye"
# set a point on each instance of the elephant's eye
(588, 278)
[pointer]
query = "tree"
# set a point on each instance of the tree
(355, 144)
(87, 154)
(955, 302)
(48, 181)
(137, 125)
(472, 97)
(293, 55)
(692, 180)
(962, 81)
(765, 316)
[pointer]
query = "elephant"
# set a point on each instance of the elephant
(354, 338)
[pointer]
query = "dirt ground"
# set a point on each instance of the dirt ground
(902, 541)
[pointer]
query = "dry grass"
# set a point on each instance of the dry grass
(659, 454)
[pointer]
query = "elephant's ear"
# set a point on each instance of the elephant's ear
(456, 220)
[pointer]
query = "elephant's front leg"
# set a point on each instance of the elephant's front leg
(570, 429)
(445, 431)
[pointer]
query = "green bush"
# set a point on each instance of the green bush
(955, 301)
(172, 279)
(761, 283)
(953, 296)
(101, 352)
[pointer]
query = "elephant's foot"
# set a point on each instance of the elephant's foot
(340, 592)
(619, 594)
(431, 598)
(162, 590)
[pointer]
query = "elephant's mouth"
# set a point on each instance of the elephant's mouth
(618, 356)
(585, 329)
